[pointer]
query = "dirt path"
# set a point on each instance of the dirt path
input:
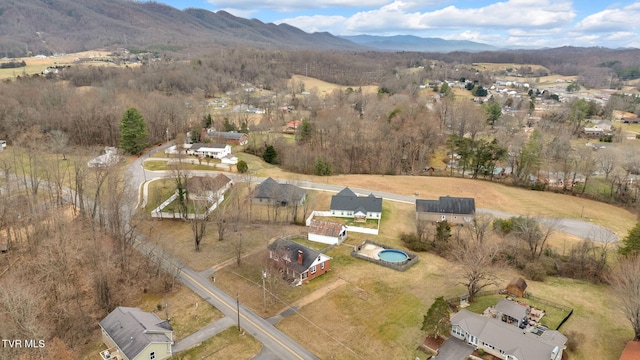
(316, 295)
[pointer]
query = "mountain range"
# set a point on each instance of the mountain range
(54, 26)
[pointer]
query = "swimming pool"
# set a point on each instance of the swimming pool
(393, 256)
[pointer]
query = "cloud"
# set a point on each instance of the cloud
(243, 13)
(614, 19)
(317, 23)
(405, 16)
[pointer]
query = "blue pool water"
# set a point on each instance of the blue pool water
(392, 255)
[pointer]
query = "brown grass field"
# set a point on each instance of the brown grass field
(325, 87)
(37, 65)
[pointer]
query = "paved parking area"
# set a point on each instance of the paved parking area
(454, 349)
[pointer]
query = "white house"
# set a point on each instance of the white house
(216, 151)
(506, 341)
(108, 158)
(347, 204)
(326, 232)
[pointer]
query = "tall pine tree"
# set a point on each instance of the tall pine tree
(133, 132)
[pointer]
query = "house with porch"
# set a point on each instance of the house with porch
(454, 210)
(271, 192)
(297, 262)
(214, 151)
(326, 232)
(505, 341)
(361, 208)
(132, 334)
(512, 312)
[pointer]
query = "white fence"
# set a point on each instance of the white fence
(158, 213)
(356, 229)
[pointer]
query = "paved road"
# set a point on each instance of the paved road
(576, 227)
(278, 344)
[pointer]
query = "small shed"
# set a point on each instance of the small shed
(517, 287)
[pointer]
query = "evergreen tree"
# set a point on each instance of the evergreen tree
(270, 155)
(242, 166)
(631, 242)
(133, 132)
(494, 111)
(443, 232)
(207, 121)
(306, 131)
(436, 322)
(228, 126)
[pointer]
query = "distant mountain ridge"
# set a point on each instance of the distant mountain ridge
(49, 26)
(420, 44)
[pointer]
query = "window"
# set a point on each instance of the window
(313, 269)
(322, 266)
(152, 355)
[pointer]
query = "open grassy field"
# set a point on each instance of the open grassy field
(37, 65)
(324, 87)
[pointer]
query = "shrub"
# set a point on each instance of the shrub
(481, 352)
(535, 271)
(413, 242)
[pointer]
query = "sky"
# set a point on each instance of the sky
(506, 23)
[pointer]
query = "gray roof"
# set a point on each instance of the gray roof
(271, 189)
(229, 135)
(291, 248)
(447, 205)
(133, 329)
(349, 201)
(197, 146)
(512, 309)
(522, 344)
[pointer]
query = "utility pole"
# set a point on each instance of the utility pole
(238, 309)
(264, 292)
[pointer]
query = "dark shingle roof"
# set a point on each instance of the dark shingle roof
(198, 184)
(133, 329)
(447, 205)
(348, 200)
(286, 246)
(271, 189)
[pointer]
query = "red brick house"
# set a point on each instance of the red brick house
(297, 262)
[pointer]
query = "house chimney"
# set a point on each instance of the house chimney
(300, 257)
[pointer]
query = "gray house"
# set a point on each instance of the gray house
(133, 334)
(506, 341)
(347, 204)
(513, 312)
(453, 210)
(271, 192)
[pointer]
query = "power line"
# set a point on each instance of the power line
(302, 316)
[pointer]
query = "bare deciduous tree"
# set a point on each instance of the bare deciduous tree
(625, 279)
(476, 261)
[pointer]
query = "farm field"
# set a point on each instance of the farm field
(37, 65)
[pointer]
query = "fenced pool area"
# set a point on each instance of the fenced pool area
(384, 255)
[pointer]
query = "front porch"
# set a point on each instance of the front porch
(111, 354)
